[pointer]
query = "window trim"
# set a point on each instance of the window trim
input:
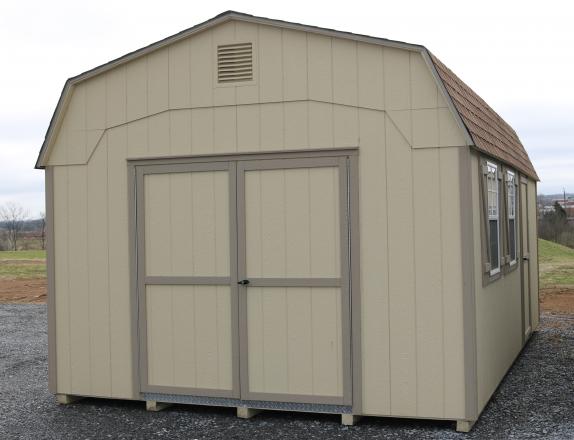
(511, 182)
(496, 167)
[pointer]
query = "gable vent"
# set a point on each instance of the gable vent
(235, 62)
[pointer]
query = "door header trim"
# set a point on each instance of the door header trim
(255, 155)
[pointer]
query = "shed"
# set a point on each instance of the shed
(268, 215)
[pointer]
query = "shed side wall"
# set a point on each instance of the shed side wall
(498, 304)
(341, 94)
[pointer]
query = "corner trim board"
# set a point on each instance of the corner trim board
(468, 285)
(51, 275)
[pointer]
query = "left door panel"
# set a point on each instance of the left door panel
(187, 279)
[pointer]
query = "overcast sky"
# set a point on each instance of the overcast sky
(518, 55)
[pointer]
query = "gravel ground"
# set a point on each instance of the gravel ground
(535, 400)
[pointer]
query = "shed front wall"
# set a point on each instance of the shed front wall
(310, 91)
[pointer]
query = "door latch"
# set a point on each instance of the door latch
(243, 282)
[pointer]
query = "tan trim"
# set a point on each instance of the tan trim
(296, 282)
(234, 288)
(134, 304)
(294, 398)
(138, 219)
(345, 241)
(51, 275)
(187, 391)
(183, 280)
(537, 257)
(468, 285)
(355, 283)
(254, 155)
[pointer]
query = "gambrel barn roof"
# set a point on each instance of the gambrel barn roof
(484, 129)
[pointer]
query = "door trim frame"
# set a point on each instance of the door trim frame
(355, 358)
(343, 280)
(524, 223)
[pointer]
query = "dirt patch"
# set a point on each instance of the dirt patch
(24, 291)
(558, 299)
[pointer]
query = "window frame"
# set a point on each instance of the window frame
(511, 214)
(493, 271)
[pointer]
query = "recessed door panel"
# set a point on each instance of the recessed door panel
(294, 340)
(189, 336)
(293, 223)
(187, 224)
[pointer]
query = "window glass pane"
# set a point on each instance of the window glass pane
(493, 227)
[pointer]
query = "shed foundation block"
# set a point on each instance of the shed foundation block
(246, 413)
(66, 399)
(155, 406)
(464, 425)
(349, 419)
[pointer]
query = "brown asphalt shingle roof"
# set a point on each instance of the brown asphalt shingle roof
(490, 133)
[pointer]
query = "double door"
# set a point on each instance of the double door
(243, 279)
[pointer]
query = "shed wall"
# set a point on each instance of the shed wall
(498, 304)
(310, 91)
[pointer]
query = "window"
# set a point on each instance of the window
(492, 189)
(511, 203)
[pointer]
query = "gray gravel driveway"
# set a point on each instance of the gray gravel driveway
(535, 400)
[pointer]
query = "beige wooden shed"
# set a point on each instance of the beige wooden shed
(267, 215)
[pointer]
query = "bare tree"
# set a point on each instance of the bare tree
(12, 216)
(43, 229)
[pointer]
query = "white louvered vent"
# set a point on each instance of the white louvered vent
(235, 62)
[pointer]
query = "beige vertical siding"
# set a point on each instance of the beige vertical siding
(309, 91)
(498, 312)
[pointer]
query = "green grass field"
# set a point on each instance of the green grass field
(556, 264)
(22, 264)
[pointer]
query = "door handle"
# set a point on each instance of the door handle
(243, 282)
(526, 258)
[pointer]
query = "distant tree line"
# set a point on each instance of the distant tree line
(19, 231)
(554, 226)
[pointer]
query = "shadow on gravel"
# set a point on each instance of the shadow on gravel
(535, 400)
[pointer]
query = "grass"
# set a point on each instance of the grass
(23, 255)
(556, 264)
(22, 264)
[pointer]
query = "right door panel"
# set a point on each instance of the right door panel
(293, 256)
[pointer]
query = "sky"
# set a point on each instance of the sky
(517, 55)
